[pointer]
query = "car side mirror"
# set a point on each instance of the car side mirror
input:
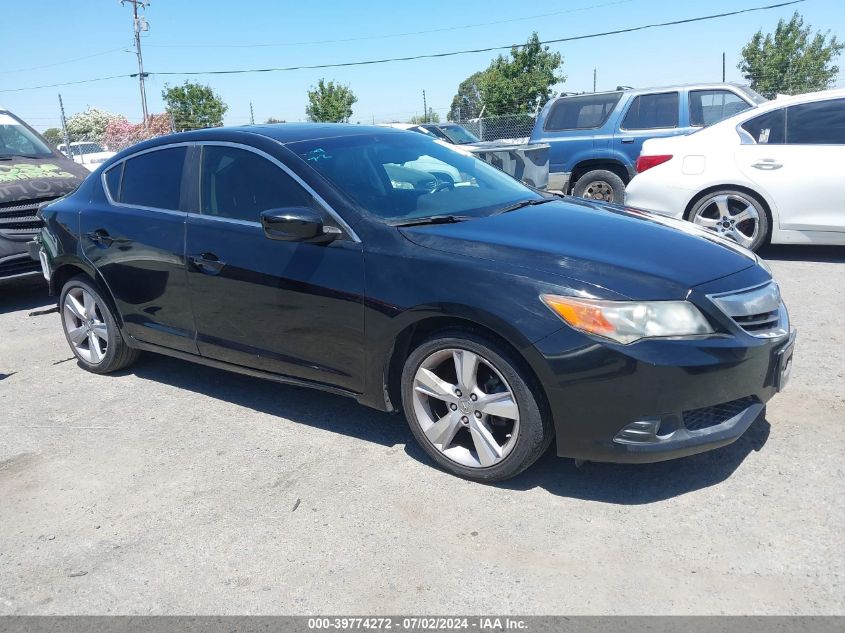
(297, 224)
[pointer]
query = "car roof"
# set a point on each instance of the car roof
(293, 132)
(702, 86)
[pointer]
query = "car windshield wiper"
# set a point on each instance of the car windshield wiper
(522, 204)
(434, 219)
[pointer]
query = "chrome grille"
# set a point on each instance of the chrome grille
(758, 310)
(18, 218)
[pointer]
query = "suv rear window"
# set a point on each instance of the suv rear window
(648, 112)
(582, 112)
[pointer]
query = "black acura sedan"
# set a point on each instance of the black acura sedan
(387, 266)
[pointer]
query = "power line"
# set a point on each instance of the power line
(391, 35)
(430, 55)
(61, 63)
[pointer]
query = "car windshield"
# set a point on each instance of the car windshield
(755, 96)
(459, 134)
(404, 176)
(17, 140)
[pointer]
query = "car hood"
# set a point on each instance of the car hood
(626, 251)
(24, 178)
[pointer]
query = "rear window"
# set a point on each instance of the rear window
(113, 181)
(649, 112)
(154, 179)
(581, 113)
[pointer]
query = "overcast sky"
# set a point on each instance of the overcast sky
(45, 41)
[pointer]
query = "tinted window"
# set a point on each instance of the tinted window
(709, 106)
(581, 113)
(239, 184)
(154, 179)
(652, 111)
(820, 123)
(113, 181)
(766, 129)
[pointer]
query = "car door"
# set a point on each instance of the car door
(135, 237)
(648, 116)
(795, 155)
(291, 308)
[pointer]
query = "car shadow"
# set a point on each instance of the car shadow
(27, 294)
(606, 483)
(638, 484)
(803, 253)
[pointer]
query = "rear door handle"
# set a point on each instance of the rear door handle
(100, 237)
(767, 164)
(207, 263)
(628, 139)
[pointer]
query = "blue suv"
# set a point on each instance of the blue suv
(595, 138)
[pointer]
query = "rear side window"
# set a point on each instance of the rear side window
(648, 112)
(154, 179)
(581, 113)
(113, 181)
(768, 128)
(239, 184)
(707, 107)
(819, 123)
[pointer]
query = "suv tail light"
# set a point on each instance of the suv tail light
(647, 162)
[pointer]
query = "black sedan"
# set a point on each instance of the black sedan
(389, 267)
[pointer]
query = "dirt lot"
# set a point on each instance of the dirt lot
(174, 488)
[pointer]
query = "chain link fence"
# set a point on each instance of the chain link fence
(505, 126)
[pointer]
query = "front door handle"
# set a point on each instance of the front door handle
(100, 237)
(628, 139)
(767, 164)
(207, 263)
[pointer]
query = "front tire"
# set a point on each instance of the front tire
(600, 185)
(91, 329)
(471, 408)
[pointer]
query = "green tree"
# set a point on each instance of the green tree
(53, 136)
(517, 84)
(90, 125)
(466, 104)
(330, 102)
(433, 117)
(193, 106)
(790, 61)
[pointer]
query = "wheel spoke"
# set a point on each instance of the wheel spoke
(78, 335)
(741, 238)
(74, 307)
(466, 367)
(442, 432)
(749, 213)
(101, 331)
(433, 386)
(486, 447)
(499, 404)
(89, 304)
(94, 346)
(707, 223)
(722, 204)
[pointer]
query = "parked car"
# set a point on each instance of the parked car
(595, 138)
(87, 153)
(772, 174)
(450, 132)
(499, 319)
(31, 173)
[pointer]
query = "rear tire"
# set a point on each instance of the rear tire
(600, 185)
(471, 407)
(737, 215)
(91, 329)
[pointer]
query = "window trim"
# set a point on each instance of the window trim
(345, 227)
(578, 129)
(677, 125)
(742, 97)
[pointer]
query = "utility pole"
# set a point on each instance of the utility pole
(64, 128)
(723, 66)
(140, 24)
(425, 109)
(594, 79)
(251, 114)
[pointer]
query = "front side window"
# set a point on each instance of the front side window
(649, 112)
(17, 140)
(582, 112)
(768, 128)
(238, 184)
(400, 177)
(818, 123)
(153, 179)
(707, 107)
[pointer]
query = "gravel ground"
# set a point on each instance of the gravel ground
(174, 488)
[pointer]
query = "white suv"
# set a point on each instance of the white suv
(772, 173)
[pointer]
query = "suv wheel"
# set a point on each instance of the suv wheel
(91, 329)
(470, 407)
(601, 185)
(737, 215)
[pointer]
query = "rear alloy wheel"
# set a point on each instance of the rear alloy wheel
(600, 185)
(91, 329)
(733, 214)
(471, 410)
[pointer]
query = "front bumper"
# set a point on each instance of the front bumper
(659, 399)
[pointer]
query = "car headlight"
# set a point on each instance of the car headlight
(629, 321)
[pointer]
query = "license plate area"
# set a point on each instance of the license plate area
(783, 362)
